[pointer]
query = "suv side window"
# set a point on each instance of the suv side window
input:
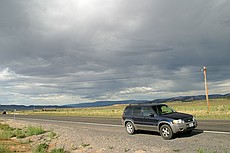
(147, 111)
(137, 111)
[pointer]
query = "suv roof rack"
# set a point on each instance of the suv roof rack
(144, 104)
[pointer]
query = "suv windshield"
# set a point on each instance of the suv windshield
(163, 109)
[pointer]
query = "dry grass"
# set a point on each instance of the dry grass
(220, 109)
(109, 111)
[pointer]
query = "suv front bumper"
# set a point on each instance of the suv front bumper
(183, 127)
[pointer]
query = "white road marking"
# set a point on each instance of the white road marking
(85, 123)
(217, 132)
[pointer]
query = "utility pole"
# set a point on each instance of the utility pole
(206, 87)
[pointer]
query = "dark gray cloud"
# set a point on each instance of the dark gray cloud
(55, 52)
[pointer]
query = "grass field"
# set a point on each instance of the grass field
(219, 109)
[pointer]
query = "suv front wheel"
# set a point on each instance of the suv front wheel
(166, 132)
(130, 128)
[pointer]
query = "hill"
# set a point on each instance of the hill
(109, 103)
(173, 99)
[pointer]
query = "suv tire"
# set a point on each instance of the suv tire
(166, 132)
(130, 128)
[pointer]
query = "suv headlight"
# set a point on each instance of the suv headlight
(178, 121)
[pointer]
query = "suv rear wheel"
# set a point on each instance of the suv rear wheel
(166, 132)
(130, 128)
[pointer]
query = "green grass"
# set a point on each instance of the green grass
(58, 150)
(19, 133)
(85, 144)
(41, 148)
(4, 149)
(5, 135)
(31, 130)
(219, 109)
(5, 127)
(7, 132)
(52, 134)
(200, 151)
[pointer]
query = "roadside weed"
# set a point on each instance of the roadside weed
(85, 144)
(176, 150)
(19, 134)
(4, 149)
(200, 151)
(52, 134)
(7, 132)
(34, 131)
(58, 150)
(5, 135)
(42, 148)
(6, 127)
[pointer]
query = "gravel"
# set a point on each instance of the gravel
(81, 138)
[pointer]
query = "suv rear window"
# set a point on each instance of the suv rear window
(128, 111)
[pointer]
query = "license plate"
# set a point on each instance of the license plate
(190, 125)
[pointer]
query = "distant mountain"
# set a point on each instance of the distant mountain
(173, 99)
(110, 103)
(105, 103)
(189, 98)
(31, 107)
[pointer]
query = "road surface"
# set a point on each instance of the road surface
(108, 135)
(205, 125)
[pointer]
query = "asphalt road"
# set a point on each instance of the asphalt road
(205, 125)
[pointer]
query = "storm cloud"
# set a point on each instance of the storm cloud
(59, 52)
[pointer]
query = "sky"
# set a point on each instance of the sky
(63, 52)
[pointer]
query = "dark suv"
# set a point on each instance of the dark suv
(157, 117)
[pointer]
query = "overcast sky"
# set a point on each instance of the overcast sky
(62, 52)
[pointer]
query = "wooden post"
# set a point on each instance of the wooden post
(206, 87)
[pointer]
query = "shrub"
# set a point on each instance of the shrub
(59, 150)
(4, 135)
(42, 148)
(18, 133)
(85, 144)
(4, 149)
(52, 134)
(201, 150)
(6, 127)
(34, 131)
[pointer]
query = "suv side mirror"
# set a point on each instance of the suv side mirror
(152, 115)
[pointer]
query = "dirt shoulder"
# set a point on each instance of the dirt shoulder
(85, 138)
(75, 140)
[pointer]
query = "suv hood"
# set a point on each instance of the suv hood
(177, 115)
